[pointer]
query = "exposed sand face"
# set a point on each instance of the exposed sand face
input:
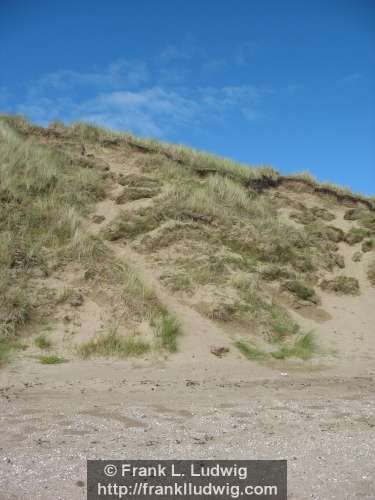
(318, 414)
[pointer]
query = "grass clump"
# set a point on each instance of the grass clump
(42, 198)
(51, 359)
(42, 342)
(7, 347)
(368, 245)
(303, 348)
(168, 329)
(249, 351)
(342, 285)
(274, 272)
(113, 344)
(356, 235)
(282, 325)
(65, 295)
(300, 290)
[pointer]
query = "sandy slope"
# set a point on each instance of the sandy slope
(317, 414)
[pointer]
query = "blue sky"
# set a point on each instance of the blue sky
(288, 83)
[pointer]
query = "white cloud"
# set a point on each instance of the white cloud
(186, 50)
(147, 98)
(116, 74)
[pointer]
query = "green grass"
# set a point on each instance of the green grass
(304, 347)
(168, 330)
(342, 285)
(197, 161)
(42, 342)
(249, 351)
(51, 359)
(282, 324)
(211, 213)
(112, 344)
(43, 197)
(356, 235)
(7, 347)
(300, 289)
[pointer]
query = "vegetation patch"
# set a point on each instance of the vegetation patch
(342, 285)
(303, 347)
(250, 351)
(113, 344)
(167, 330)
(301, 290)
(356, 235)
(51, 360)
(368, 245)
(323, 213)
(275, 272)
(136, 193)
(303, 217)
(42, 342)
(7, 347)
(354, 213)
(42, 198)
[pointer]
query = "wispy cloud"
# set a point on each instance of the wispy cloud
(117, 74)
(157, 97)
(186, 50)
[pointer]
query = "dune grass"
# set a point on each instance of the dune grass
(249, 351)
(9, 346)
(167, 330)
(198, 161)
(42, 342)
(209, 208)
(112, 344)
(303, 347)
(42, 198)
(51, 359)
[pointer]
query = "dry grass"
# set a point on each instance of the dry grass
(42, 199)
(215, 215)
(112, 344)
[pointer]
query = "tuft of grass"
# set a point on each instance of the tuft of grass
(343, 285)
(304, 348)
(65, 295)
(7, 346)
(52, 359)
(42, 342)
(299, 289)
(282, 324)
(368, 245)
(356, 235)
(113, 344)
(168, 329)
(249, 351)
(274, 272)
